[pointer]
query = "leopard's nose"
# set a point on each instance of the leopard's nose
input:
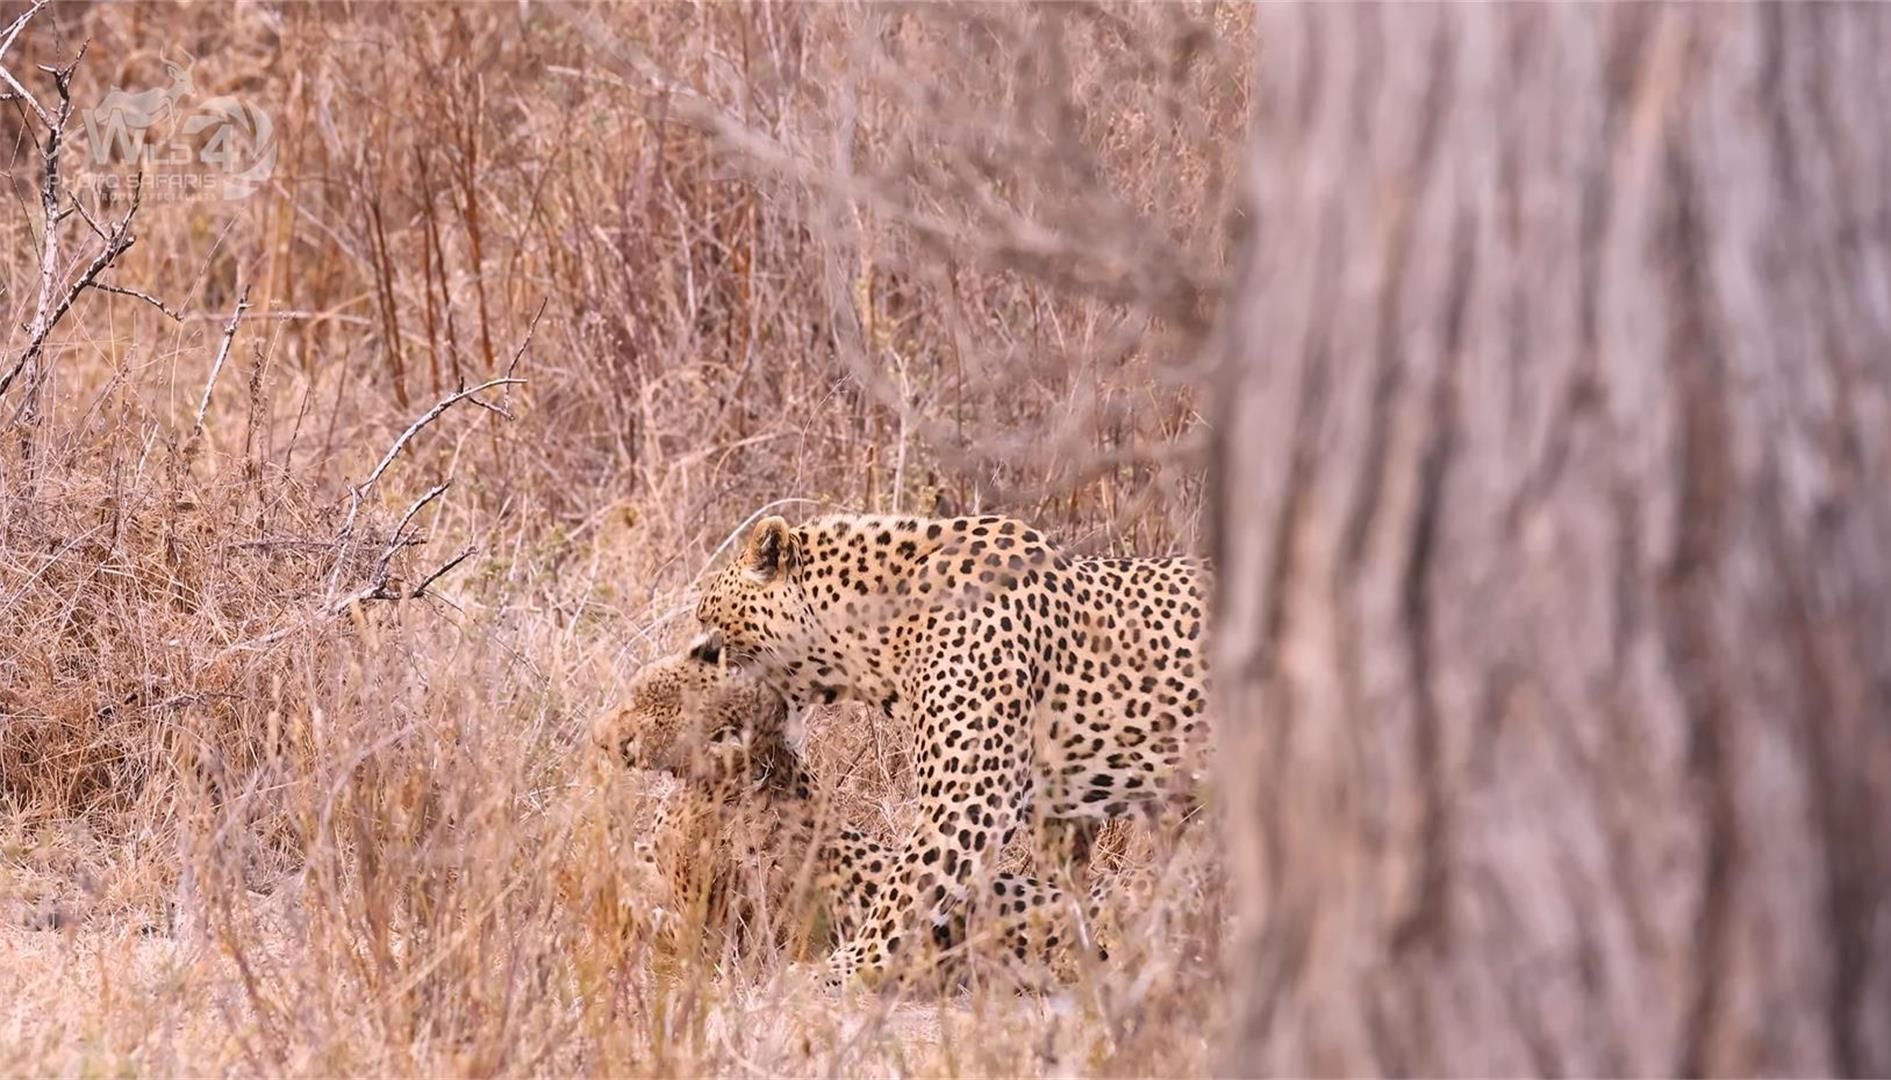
(629, 750)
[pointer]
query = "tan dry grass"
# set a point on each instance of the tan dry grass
(926, 259)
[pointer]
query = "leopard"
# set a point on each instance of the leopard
(1045, 689)
(726, 735)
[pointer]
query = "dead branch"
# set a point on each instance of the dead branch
(377, 588)
(6, 41)
(43, 325)
(13, 29)
(216, 367)
(136, 295)
(377, 580)
(380, 588)
(54, 301)
(427, 418)
(359, 492)
(445, 568)
(505, 399)
(433, 493)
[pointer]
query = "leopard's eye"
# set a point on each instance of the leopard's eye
(707, 648)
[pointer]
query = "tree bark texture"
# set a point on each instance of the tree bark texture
(1554, 530)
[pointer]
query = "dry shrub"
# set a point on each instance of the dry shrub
(153, 614)
(932, 260)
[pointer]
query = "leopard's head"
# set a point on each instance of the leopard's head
(692, 715)
(762, 606)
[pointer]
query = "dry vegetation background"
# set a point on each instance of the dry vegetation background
(934, 259)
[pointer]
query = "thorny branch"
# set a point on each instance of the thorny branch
(377, 586)
(7, 37)
(55, 301)
(417, 591)
(216, 366)
(136, 295)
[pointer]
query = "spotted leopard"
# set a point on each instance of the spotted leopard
(1044, 689)
(724, 733)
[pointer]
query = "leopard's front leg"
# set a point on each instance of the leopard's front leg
(971, 766)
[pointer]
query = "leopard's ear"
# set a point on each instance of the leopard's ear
(772, 550)
(707, 648)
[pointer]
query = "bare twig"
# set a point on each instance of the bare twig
(54, 302)
(378, 578)
(90, 221)
(380, 590)
(42, 327)
(359, 492)
(6, 41)
(49, 190)
(216, 366)
(444, 569)
(496, 408)
(377, 587)
(427, 418)
(13, 28)
(146, 297)
(505, 399)
(433, 493)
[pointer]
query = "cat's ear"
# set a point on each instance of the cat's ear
(772, 550)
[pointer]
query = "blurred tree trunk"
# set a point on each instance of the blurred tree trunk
(1554, 524)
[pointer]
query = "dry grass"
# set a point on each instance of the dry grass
(929, 259)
